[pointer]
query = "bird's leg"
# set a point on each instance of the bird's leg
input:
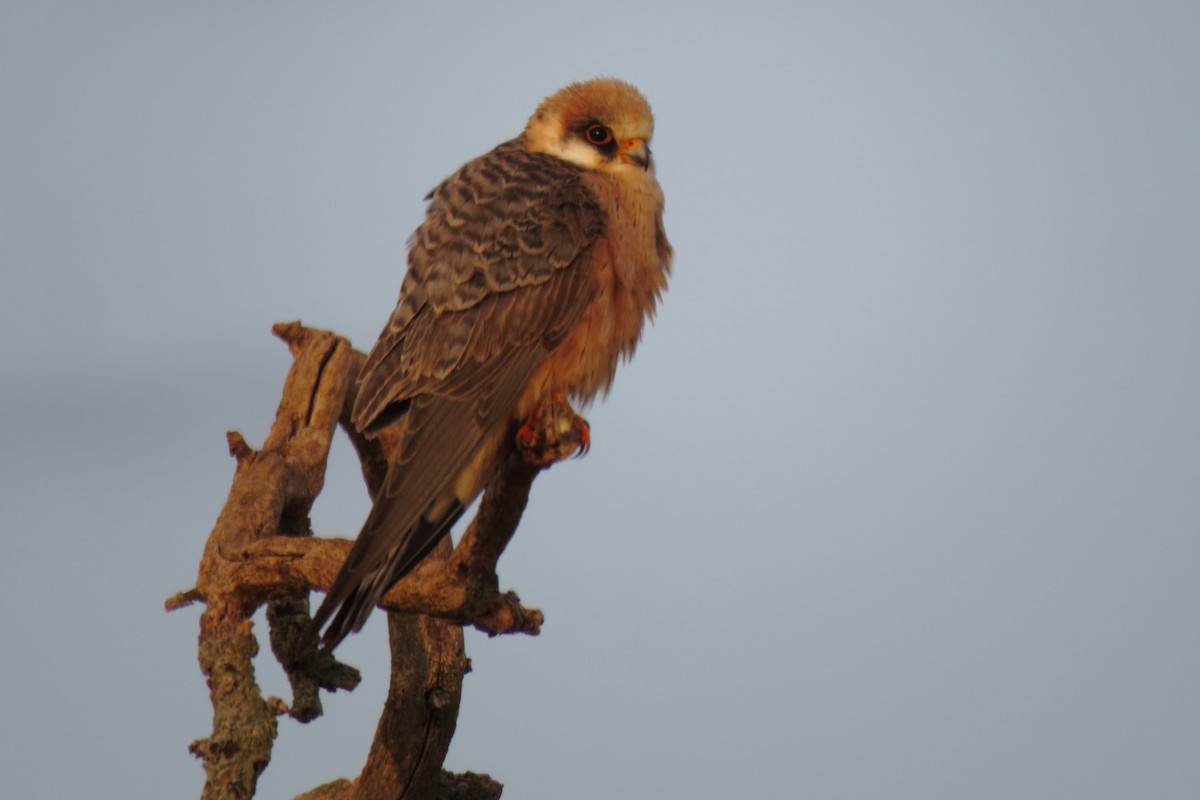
(553, 433)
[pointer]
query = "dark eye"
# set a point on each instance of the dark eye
(598, 134)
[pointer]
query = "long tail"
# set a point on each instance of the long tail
(361, 584)
(417, 505)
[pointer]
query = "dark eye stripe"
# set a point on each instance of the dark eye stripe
(598, 136)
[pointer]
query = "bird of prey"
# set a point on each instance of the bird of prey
(531, 276)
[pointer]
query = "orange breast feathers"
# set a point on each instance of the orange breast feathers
(628, 269)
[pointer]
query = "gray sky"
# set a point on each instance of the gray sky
(898, 500)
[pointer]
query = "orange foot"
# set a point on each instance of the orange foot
(553, 432)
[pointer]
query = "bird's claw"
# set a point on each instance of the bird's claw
(584, 431)
(553, 433)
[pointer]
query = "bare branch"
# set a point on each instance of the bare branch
(261, 551)
(273, 490)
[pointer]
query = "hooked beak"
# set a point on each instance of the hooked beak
(635, 151)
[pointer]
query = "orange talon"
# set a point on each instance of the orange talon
(585, 436)
(527, 434)
(553, 432)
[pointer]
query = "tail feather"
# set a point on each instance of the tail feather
(356, 592)
(449, 446)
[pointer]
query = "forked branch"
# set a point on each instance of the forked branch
(261, 551)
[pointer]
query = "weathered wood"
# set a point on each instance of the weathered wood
(261, 552)
(273, 490)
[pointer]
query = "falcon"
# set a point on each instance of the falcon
(532, 275)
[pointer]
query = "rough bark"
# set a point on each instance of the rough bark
(261, 551)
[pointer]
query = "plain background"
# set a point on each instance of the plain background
(899, 499)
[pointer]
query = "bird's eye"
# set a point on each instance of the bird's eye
(598, 134)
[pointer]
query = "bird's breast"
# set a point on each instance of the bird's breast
(627, 270)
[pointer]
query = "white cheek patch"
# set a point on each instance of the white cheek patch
(577, 152)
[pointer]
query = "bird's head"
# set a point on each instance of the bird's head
(603, 124)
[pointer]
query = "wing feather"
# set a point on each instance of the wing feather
(509, 221)
(497, 274)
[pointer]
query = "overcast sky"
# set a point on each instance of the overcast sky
(899, 499)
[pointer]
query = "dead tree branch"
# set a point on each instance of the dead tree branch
(261, 552)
